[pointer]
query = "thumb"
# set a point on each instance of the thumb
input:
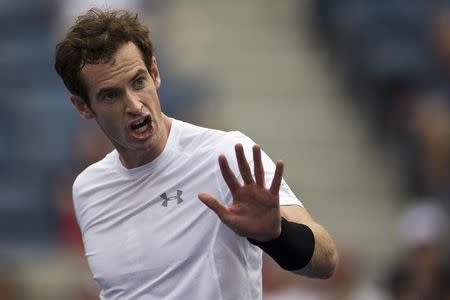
(214, 204)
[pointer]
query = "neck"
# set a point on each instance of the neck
(135, 158)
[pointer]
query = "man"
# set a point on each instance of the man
(148, 210)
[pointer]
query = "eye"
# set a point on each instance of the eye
(139, 83)
(109, 96)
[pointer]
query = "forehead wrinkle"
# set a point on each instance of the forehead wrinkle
(124, 61)
(106, 75)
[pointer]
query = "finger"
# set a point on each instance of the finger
(244, 168)
(228, 175)
(276, 182)
(258, 165)
(214, 204)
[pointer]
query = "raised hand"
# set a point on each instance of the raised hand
(255, 210)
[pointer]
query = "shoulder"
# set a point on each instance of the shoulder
(208, 139)
(91, 175)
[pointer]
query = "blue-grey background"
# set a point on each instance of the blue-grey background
(353, 95)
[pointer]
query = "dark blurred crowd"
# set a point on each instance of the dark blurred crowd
(44, 143)
(419, 271)
(39, 128)
(394, 59)
(392, 55)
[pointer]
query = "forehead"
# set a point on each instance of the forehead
(124, 63)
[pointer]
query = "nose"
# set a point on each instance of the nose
(133, 104)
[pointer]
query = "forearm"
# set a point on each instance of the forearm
(302, 249)
(324, 259)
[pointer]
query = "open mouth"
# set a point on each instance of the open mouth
(140, 125)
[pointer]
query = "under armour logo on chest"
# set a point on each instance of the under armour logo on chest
(167, 199)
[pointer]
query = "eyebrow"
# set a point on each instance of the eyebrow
(104, 90)
(140, 72)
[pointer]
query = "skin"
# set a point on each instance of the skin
(123, 91)
(120, 92)
(255, 211)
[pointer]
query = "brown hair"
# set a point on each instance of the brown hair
(94, 39)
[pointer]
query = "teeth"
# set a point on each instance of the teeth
(142, 129)
(137, 123)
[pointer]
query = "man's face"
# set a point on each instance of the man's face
(124, 102)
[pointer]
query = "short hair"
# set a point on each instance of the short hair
(94, 39)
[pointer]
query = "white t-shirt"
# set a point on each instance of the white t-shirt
(148, 236)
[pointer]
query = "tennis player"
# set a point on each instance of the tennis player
(175, 211)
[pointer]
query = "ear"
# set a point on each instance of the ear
(81, 106)
(154, 73)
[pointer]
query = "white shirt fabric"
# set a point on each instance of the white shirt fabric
(148, 236)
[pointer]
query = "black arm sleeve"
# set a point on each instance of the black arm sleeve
(293, 249)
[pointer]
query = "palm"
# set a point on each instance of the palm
(255, 211)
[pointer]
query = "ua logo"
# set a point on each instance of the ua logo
(167, 199)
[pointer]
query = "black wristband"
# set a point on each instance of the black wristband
(293, 249)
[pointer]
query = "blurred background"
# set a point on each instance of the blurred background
(353, 95)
